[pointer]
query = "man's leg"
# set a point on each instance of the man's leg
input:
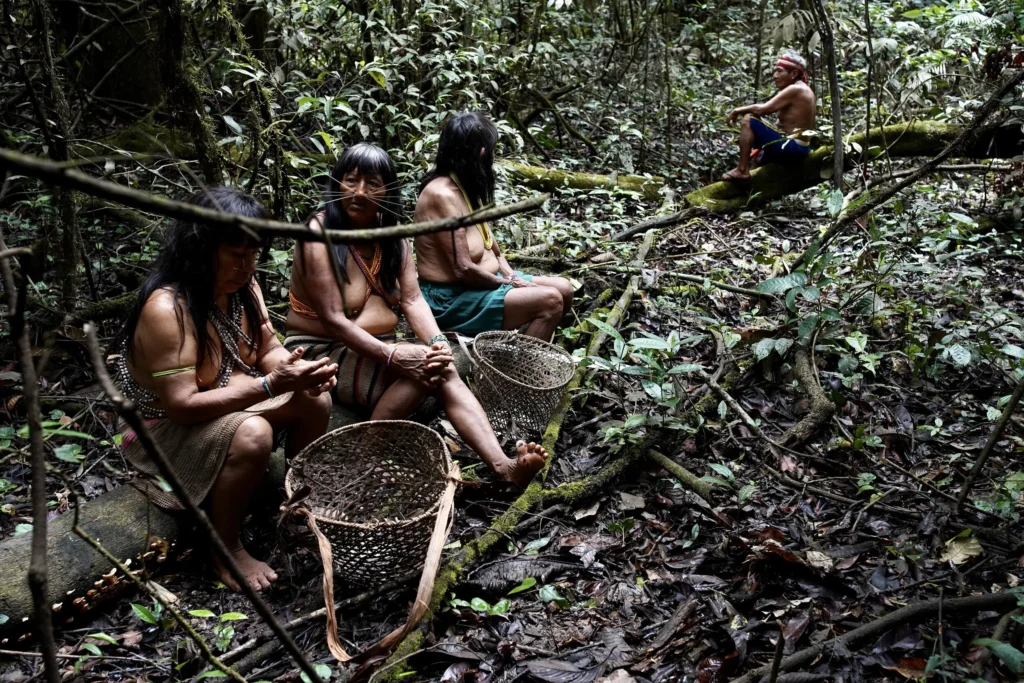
(399, 400)
(562, 285)
(470, 421)
(246, 462)
(539, 308)
(742, 170)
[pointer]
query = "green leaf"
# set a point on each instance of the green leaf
(960, 218)
(479, 604)
(528, 583)
(959, 355)
(722, 470)
(1007, 654)
(322, 670)
(777, 285)
(764, 348)
(92, 649)
(723, 409)
(847, 364)
(232, 616)
(101, 636)
(649, 343)
(201, 613)
(69, 452)
(634, 421)
(807, 326)
(144, 614)
(835, 202)
(746, 492)
(379, 77)
(212, 674)
(782, 346)
(606, 328)
(4, 619)
(536, 545)
(500, 607)
(913, 14)
(20, 529)
(549, 593)
(1013, 350)
(685, 369)
(233, 125)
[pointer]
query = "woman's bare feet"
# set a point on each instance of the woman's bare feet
(522, 470)
(258, 574)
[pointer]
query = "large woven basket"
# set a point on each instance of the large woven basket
(375, 488)
(519, 380)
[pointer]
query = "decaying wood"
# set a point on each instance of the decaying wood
(909, 614)
(822, 408)
(552, 179)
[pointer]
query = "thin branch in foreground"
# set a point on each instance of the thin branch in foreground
(37, 573)
(126, 408)
(62, 176)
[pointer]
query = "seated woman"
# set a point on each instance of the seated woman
(355, 326)
(199, 357)
(464, 277)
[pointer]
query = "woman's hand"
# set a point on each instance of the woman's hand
(423, 364)
(295, 374)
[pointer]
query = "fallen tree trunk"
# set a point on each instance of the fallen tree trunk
(551, 179)
(915, 139)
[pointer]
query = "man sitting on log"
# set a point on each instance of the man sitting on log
(794, 104)
(200, 359)
(468, 284)
(355, 325)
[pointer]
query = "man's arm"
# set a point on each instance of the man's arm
(781, 99)
(434, 205)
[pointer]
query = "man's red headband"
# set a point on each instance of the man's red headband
(789, 64)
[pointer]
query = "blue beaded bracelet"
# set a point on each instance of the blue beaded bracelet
(266, 386)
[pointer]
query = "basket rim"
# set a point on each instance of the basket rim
(372, 526)
(514, 334)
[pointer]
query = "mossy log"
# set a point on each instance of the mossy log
(914, 139)
(551, 179)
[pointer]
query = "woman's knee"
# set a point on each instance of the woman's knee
(253, 440)
(552, 301)
(564, 288)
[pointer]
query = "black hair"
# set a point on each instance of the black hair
(458, 151)
(367, 159)
(187, 265)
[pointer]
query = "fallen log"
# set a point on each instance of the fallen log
(914, 139)
(551, 179)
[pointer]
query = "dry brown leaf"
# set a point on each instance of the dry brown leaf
(960, 550)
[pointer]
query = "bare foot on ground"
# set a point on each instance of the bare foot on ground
(521, 470)
(259, 574)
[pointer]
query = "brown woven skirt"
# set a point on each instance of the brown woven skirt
(196, 452)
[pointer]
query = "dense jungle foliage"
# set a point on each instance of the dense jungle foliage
(847, 406)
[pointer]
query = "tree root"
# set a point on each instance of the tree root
(687, 478)
(822, 408)
(910, 613)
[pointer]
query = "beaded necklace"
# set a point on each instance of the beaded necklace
(229, 329)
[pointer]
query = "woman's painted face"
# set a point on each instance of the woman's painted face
(236, 264)
(362, 197)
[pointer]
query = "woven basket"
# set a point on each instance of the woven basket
(519, 380)
(375, 491)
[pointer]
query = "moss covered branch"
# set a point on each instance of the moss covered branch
(551, 179)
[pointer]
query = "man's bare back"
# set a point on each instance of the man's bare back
(797, 110)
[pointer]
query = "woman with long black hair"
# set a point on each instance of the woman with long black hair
(199, 357)
(464, 277)
(355, 326)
